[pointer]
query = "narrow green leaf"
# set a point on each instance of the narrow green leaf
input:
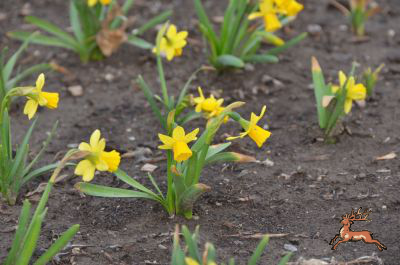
(22, 150)
(191, 244)
(285, 259)
(320, 90)
(40, 171)
(41, 39)
(201, 13)
(261, 58)
(150, 98)
(19, 234)
(215, 149)
(155, 184)
(53, 29)
(288, 44)
(138, 42)
(153, 22)
(190, 195)
(109, 192)
(75, 22)
(38, 68)
(30, 241)
(8, 68)
(258, 251)
(227, 60)
(60, 243)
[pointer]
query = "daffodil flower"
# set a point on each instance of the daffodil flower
(255, 132)
(94, 2)
(172, 43)
(289, 7)
(38, 98)
(353, 91)
(178, 143)
(210, 105)
(269, 12)
(98, 159)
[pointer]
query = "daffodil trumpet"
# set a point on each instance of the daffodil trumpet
(335, 101)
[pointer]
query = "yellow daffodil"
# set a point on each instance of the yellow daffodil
(353, 91)
(38, 98)
(172, 42)
(98, 159)
(94, 2)
(211, 106)
(191, 261)
(178, 143)
(289, 7)
(255, 132)
(269, 12)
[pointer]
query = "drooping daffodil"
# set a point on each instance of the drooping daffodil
(255, 132)
(269, 12)
(97, 159)
(210, 105)
(172, 43)
(179, 143)
(94, 2)
(36, 97)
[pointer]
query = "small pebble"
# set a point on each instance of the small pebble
(290, 247)
(75, 91)
(314, 29)
(109, 77)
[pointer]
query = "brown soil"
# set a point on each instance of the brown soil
(304, 193)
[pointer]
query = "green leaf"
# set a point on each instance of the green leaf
(201, 13)
(191, 244)
(38, 68)
(138, 42)
(8, 68)
(285, 259)
(19, 234)
(30, 240)
(150, 98)
(261, 58)
(258, 252)
(52, 29)
(75, 22)
(109, 192)
(60, 243)
(40, 171)
(153, 22)
(227, 60)
(189, 197)
(320, 90)
(41, 39)
(288, 44)
(155, 184)
(133, 183)
(215, 149)
(227, 24)
(22, 151)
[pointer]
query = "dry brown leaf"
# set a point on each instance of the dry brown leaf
(391, 155)
(148, 167)
(109, 39)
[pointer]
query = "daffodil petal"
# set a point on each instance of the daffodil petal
(112, 159)
(259, 135)
(347, 105)
(94, 138)
(178, 134)
(40, 82)
(357, 92)
(190, 261)
(182, 151)
(171, 33)
(51, 99)
(85, 169)
(166, 140)
(30, 108)
(191, 136)
(84, 147)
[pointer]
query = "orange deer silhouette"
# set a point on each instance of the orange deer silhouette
(348, 235)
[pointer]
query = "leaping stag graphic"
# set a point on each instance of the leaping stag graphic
(348, 235)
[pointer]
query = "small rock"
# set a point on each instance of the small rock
(73, 145)
(249, 67)
(26, 10)
(391, 33)
(75, 91)
(131, 138)
(3, 16)
(160, 246)
(109, 77)
(290, 247)
(343, 27)
(384, 207)
(148, 167)
(268, 163)
(314, 29)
